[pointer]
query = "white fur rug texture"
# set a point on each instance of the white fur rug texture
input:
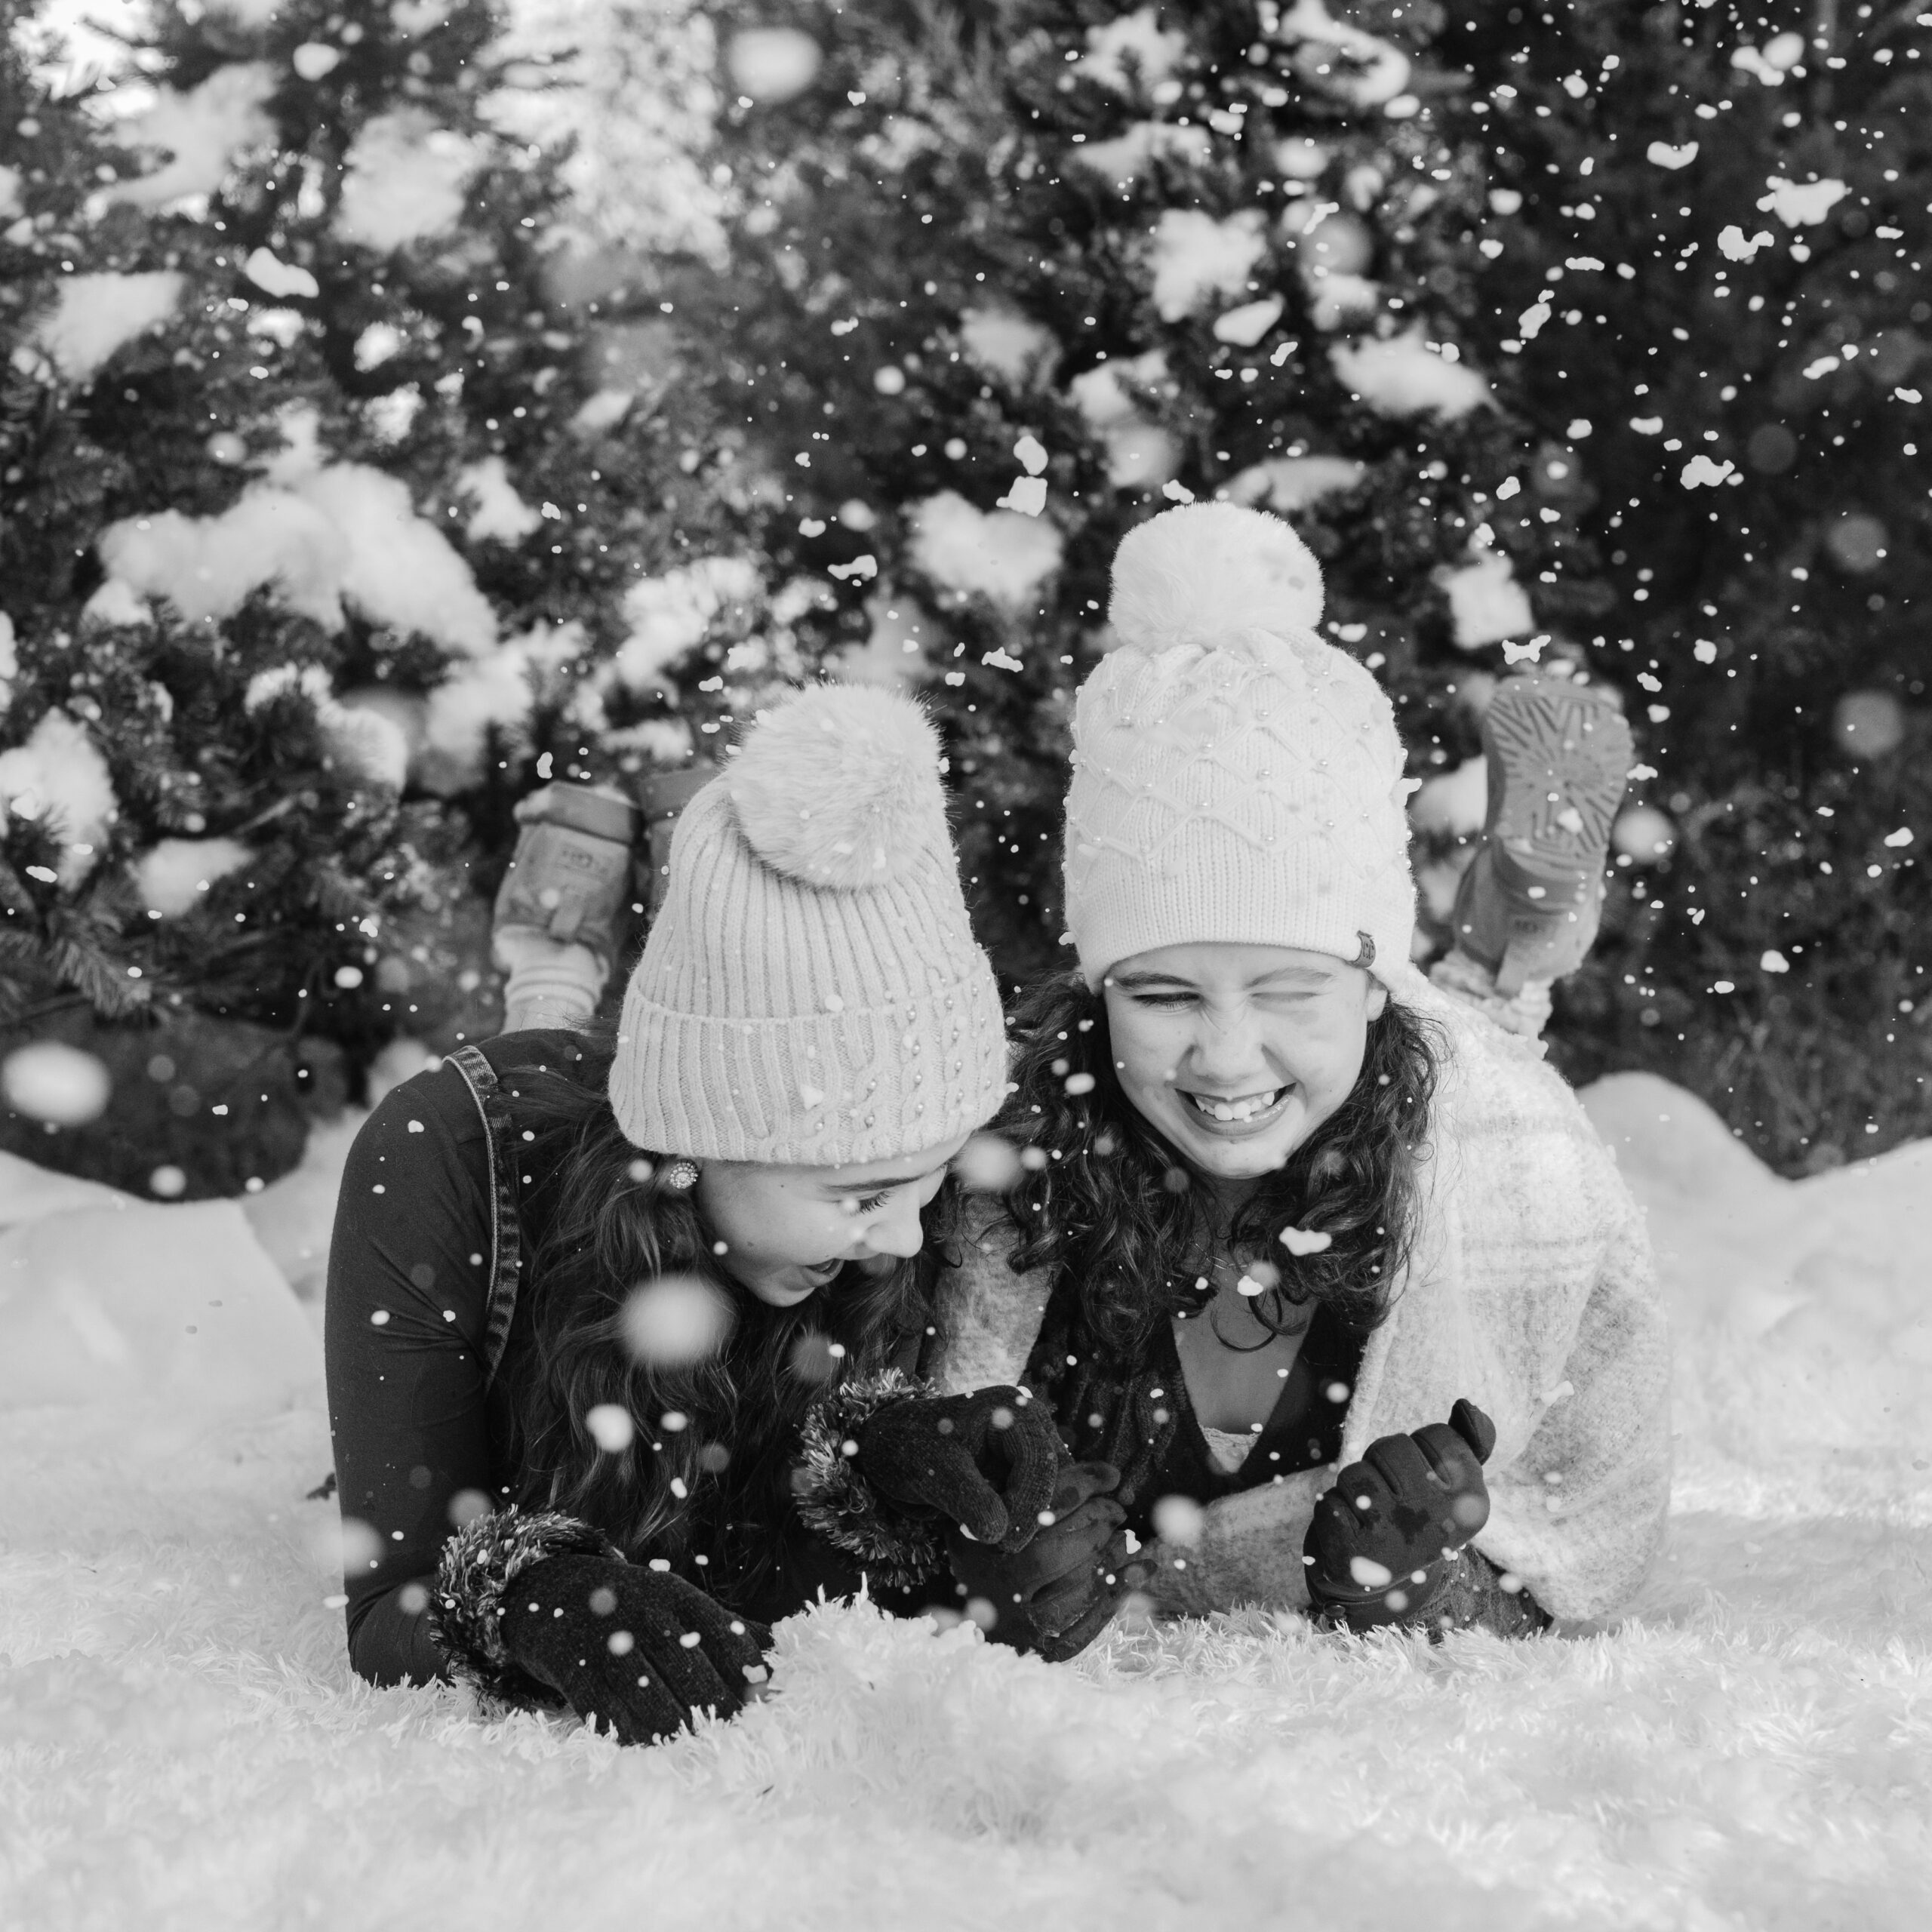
(182, 1743)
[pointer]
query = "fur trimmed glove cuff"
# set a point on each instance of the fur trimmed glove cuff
(539, 1608)
(1475, 1594)
(887, 1461)
(479, 1564)
(836, 1500)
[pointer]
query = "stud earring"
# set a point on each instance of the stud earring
(681, 1176)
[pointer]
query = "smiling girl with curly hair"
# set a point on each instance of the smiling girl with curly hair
(1298, 1242)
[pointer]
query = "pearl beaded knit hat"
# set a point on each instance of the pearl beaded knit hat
(811, 993)
(1234, 777)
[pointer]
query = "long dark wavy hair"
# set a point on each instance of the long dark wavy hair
(713, 1477)
(1114, 1208)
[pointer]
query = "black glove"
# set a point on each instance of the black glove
(1056, 1595)
(1380, 1545)
(988, 1461)
(641, 1649)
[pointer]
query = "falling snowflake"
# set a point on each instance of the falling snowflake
(49, 1081)
(675, 1320)
(1700, 470)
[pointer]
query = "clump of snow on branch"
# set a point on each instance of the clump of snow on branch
(1133, 46)
(1194, 257)
(404, 179)
(207, 567)
(1245, 326)
(899, 646)
(93, 316)
(651, 741)
(1486, 603)
(320, 533)
(1130, 154)
(174, 873)
(632, 86)
(1141, 454)
(1005, 343)
(1286, 484)
(198, 130)
(1406, 376)
(59, 777)
(997, 555)
(1357, 67)
(401, 570)
(495, 692)
(669, 615)
(500, 513)
(366, 741)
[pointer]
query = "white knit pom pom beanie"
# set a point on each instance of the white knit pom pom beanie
(811, 993)
(1234, 777)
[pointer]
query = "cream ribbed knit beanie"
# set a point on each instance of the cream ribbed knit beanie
(1234, 777)
(811, 993)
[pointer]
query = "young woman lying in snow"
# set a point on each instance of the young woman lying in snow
(583, 1293)
(1284, 1204)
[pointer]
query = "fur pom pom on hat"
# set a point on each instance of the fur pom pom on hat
(811, 994)
(1214, 575)
(1235, 778)
(841, 787)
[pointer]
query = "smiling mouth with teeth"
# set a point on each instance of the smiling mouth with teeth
(1247, 1107)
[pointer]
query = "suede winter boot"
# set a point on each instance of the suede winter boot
(1526, 910)
(664, 795)
(560, 912)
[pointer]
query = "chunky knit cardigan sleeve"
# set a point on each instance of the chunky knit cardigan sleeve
(1531, 1290)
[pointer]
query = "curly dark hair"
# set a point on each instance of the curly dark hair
(1113, 1207)
(715, 1483)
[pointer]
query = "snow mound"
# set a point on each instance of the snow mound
(182, 1744)
(1803, 1309)
(106, 1301)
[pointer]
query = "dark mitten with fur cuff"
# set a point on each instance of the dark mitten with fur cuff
(536, 1608)
(887, 1463)
(1386, 1546)
(1057, 1595)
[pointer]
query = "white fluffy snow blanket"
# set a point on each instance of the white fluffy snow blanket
(181, 1743)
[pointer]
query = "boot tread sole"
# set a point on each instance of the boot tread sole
(1565, 740)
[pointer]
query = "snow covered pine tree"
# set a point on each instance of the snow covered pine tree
(1708, 228)
(1434, 284)
(334, 518)
(1012, 277)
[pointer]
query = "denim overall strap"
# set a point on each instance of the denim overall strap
(505, 1231)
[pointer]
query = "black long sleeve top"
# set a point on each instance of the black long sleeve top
(419, 1432)
(425, 1435)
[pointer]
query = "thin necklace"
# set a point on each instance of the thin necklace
(1207, 1286)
